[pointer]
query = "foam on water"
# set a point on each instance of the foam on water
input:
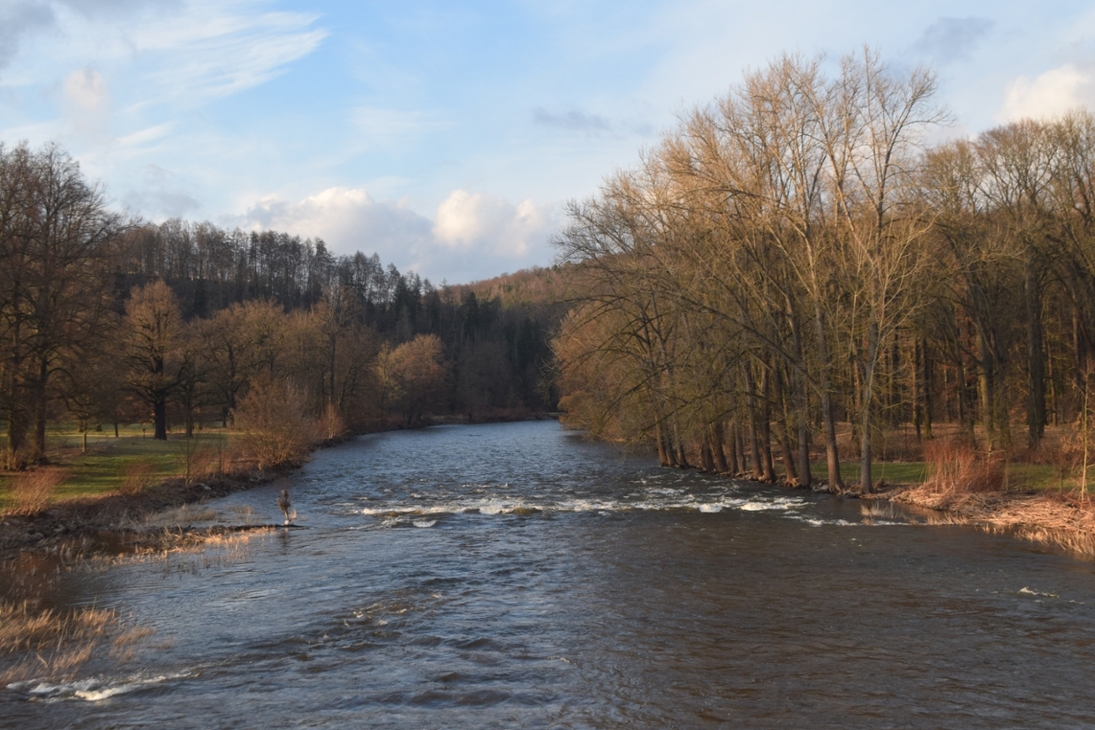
(423, 508)
(93, 689)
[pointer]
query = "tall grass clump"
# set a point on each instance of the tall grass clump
(955, 467)
(33, 491)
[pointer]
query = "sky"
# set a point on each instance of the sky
(448, 136)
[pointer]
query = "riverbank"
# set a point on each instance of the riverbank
(77, 525)
(1055, 518)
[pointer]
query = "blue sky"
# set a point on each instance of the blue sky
(446, 136)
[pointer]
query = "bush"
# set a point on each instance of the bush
(274, 430)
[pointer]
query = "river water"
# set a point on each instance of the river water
(518, 576)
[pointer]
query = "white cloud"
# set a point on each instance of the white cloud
(1050, 95)
(87, 90)
(348, 219)
(211, 51)
(146, 135)
(474, 236)
(479, 221)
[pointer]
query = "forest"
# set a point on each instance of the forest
(805, 253)
(107, 320)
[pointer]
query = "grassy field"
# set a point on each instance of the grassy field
(132, 460)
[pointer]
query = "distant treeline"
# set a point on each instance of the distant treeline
(796, 253)
(107, 320)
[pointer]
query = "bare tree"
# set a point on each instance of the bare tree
(151, 331)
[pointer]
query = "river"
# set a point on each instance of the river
(516, 575)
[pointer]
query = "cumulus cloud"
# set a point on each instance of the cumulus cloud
(473, 235)
(1051, 94)
(953, 39)
(476, 221)
(348, 219)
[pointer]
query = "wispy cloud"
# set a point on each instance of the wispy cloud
(381, 127)
(575, 121)
(953, 39)
(19, 18)
(213, 52)
(161, 194)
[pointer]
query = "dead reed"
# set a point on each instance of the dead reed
(33, 491)
(43, 641)
(956, 467)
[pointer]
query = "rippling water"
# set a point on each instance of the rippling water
(516, 576)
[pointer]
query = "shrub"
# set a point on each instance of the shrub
(274, 430)
(955, 467)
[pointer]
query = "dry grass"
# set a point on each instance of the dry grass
(33, 491)
(1054, 519)
(955, 467)
(137, 477)
(48, 642)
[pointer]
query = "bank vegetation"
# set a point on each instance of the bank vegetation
(797, 274)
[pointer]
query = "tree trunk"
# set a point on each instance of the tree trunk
(1036, 408)
(40, 410)
(985, 385)
(832, 453)
(784, 432)
(159, 419)
(866, 444)
(735, 449)
(802, 403)
(914, 391)
(719, 453)
(769, 467)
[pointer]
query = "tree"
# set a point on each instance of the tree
(151, 334)
(415, 375)
(55, 233)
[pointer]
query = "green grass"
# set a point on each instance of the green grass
(108, 459)
(893, 472)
